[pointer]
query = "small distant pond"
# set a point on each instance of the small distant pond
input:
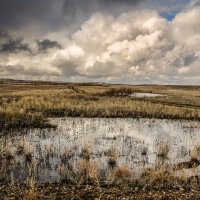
(135, 142)
(146, 94)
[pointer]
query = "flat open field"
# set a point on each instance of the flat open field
(30, 104)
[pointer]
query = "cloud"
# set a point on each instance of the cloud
(34, 19)
(133, 47)
(186, 27)
(21, 12)
(41, 16)
(77, 9)
(8, 44)
(44, 45)
(69, 60)
(51, 15)
(14, 45)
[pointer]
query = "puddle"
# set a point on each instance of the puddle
(135, 142)
(146, 94)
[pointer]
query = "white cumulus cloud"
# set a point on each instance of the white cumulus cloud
(135, 47)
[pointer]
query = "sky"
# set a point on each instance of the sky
(112, 41)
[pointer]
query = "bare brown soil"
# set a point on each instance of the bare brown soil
(89, 192)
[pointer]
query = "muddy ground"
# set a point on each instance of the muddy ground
(67, 191)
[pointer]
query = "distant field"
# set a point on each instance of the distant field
(30, 104)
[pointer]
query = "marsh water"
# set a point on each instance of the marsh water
(134, 141)
(146, 94)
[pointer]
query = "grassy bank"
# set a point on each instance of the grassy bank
(25, 104)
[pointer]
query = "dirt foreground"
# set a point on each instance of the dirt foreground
(66, 191)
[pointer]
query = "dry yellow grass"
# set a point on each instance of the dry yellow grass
(123, 173)
(30, 104)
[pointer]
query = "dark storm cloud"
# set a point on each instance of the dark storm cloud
(80, 10)
(19, 12)
(53, 14)
(14, 45)
(46, 44)
(94, 5)
(8, 44)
